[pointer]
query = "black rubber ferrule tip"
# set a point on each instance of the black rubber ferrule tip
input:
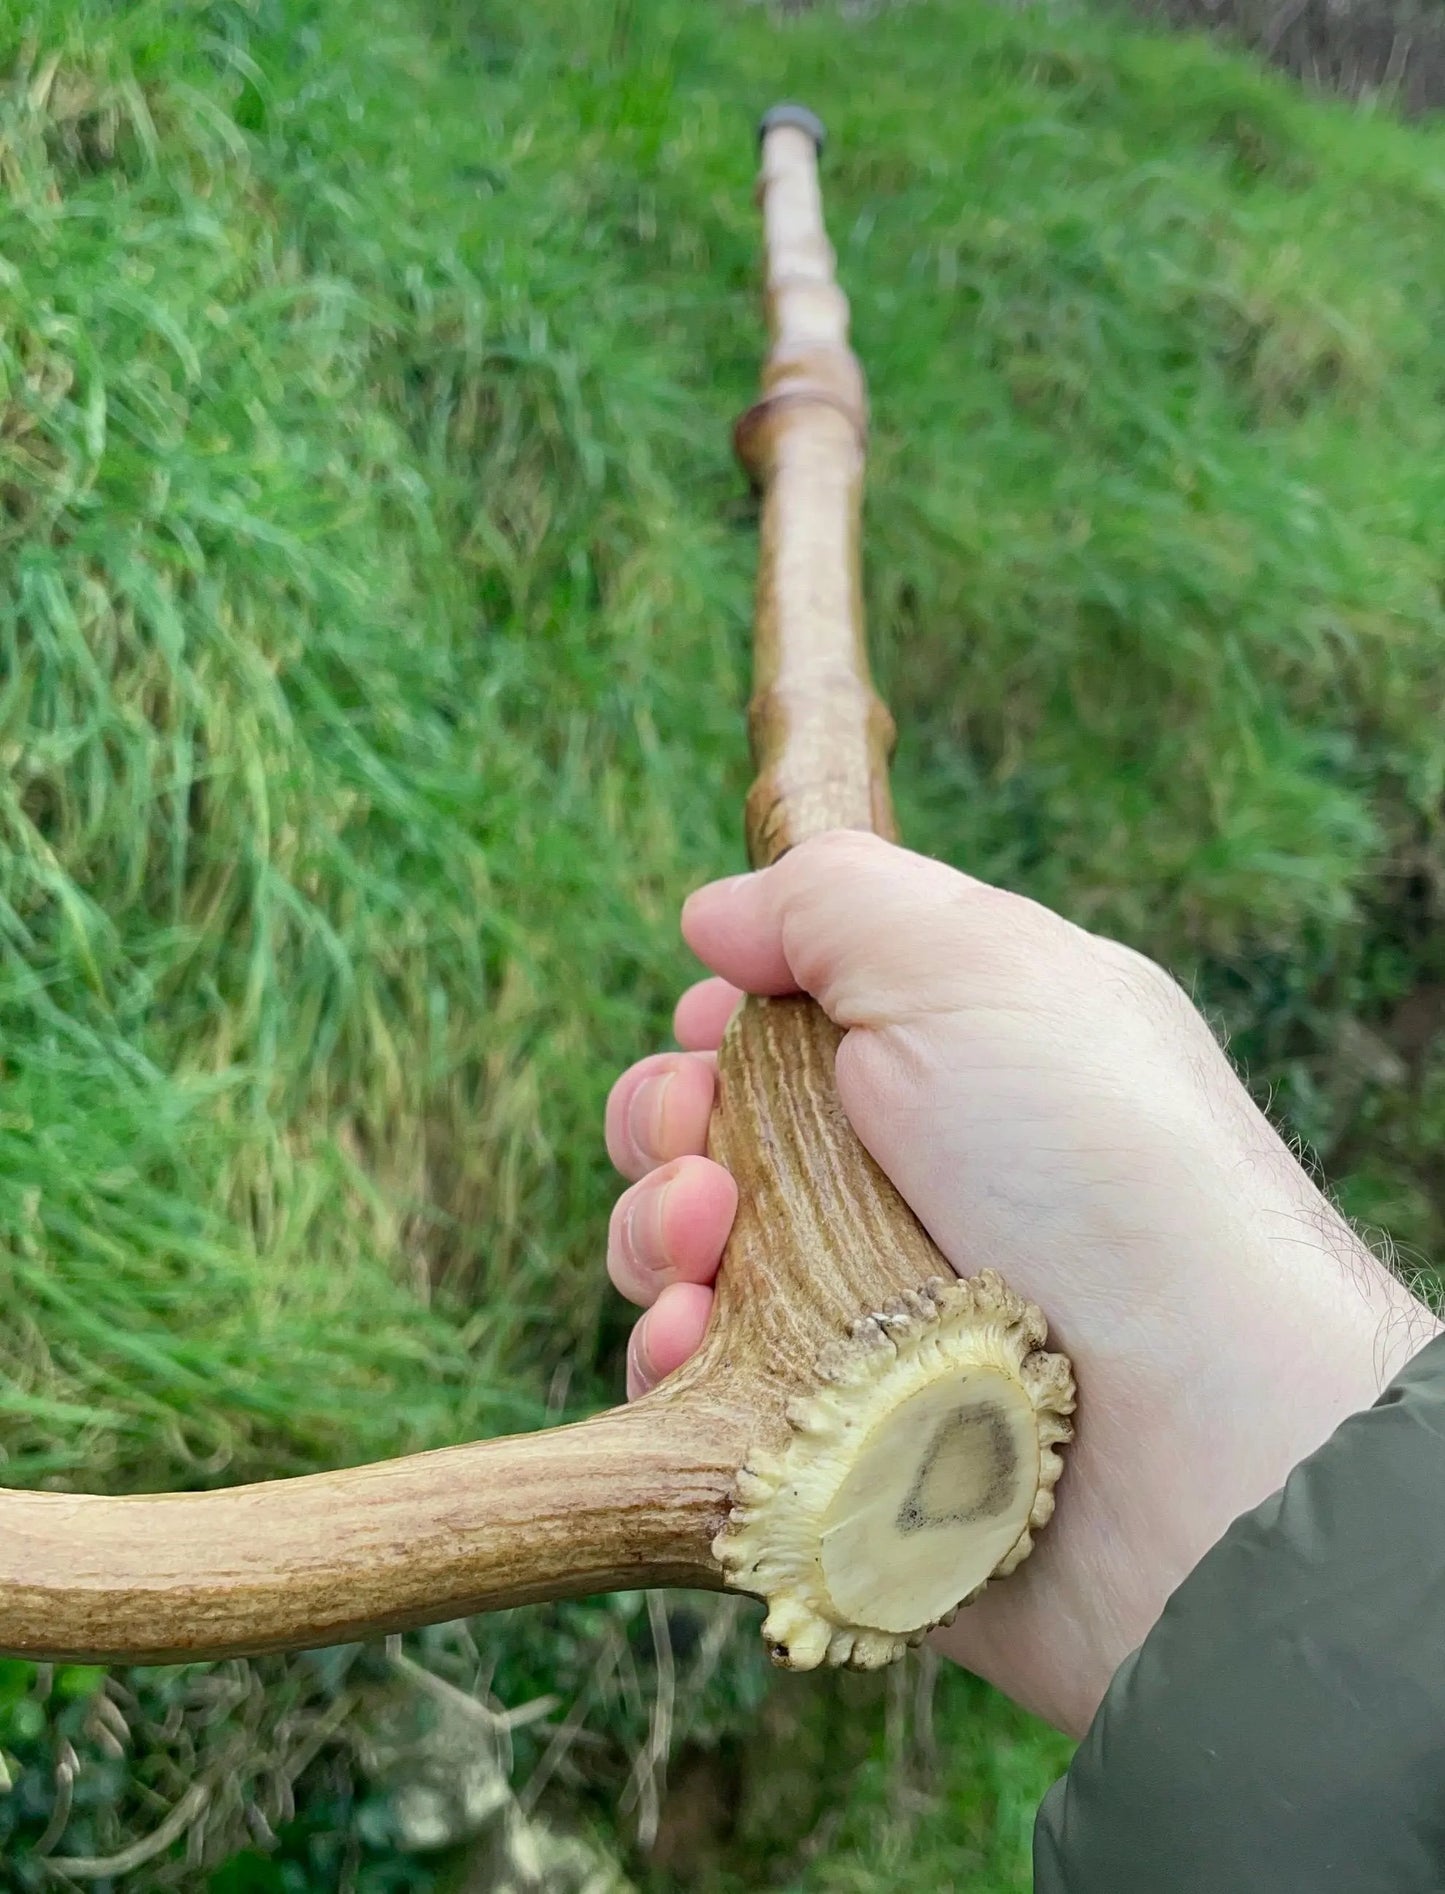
(796, 115)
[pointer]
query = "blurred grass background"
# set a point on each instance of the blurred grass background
(373, 636)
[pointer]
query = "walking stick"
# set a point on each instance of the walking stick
(862, 1440)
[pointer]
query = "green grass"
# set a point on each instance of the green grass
(373, 631)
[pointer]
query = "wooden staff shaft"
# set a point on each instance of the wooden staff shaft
(821, 736)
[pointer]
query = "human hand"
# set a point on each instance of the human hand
(1051, 1106)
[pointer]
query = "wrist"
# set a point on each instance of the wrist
(1317, 1329)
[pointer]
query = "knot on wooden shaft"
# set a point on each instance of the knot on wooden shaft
(821, 377)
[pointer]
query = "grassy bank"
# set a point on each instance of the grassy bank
(372, 639)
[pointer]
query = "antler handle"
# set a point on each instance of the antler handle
(619, 1501)
(862, 1440)
(905, 1446)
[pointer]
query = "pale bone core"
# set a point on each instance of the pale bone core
(939, 1493)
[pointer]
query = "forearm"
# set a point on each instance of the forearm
(1302, 1330)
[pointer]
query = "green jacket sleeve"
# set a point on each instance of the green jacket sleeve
(1282, 1728)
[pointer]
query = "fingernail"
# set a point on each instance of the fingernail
(644, 1114)
(716, 890)
(649, 1257)
(640, 1374)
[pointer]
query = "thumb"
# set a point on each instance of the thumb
(874, 932)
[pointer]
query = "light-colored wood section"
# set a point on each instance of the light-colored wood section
(821, 736)
(822, 1245)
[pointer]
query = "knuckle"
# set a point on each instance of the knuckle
(1145, 981)
(839, 845)
(820, 860)
(1014, 941)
